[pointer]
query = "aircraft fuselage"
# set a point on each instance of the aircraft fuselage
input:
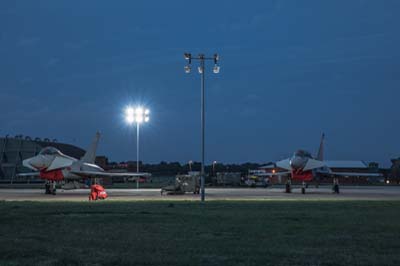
(298, 162)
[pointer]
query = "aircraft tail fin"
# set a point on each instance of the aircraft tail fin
(90, 154)
(320, 155)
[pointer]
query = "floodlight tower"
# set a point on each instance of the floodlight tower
(202, 58)
(137, 115)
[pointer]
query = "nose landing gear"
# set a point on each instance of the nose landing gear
(50, 188)
(303, 188)
(335, 187)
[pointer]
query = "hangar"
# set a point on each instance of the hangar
(13, 150)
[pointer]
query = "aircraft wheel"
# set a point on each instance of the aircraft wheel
(47, 188)
(288, 188)
(336, 189)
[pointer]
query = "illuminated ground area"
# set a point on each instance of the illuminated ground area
(275, 193)
(189, 233)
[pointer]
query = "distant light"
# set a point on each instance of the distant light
(216, 69)
(387, 181)
(187, 56)
(147, 112)
(146, 119)
(187, 69)
(200, 69)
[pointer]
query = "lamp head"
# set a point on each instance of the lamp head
(200, 69)
(187, 69)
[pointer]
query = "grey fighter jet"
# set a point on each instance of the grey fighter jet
(54, 166)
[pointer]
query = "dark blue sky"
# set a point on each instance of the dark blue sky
(289, 71)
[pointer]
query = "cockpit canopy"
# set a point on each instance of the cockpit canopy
(303, 154)
(50, 151)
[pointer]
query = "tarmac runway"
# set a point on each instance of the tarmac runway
(324, 193)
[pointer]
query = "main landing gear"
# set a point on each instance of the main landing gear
(50, 187)
(303, 188)
(335, 187)
(288, 187)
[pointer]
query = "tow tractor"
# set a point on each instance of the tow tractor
(183, 184)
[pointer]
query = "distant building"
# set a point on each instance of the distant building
(102, 161)
(13, 150)
(394, 172)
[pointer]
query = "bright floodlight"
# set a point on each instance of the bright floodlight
(129, 115)
(139, 110)
(136, 115)
(139, 119)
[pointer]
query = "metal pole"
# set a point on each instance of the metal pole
(137, 154)
(202, 180)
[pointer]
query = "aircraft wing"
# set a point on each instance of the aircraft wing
(60, 162)
(312, 164)
(285, 164)
(355, 174)
(96, 174)
(274, 174)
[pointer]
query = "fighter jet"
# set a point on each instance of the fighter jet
(302, 167)
(54, 166)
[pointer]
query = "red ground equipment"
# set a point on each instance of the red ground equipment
(97, 192)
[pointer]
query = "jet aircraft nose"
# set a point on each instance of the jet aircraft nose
(37, 163)
(298, 162)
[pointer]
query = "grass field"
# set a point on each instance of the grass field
(190, 233)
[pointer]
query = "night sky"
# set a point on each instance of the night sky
(290, 70)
